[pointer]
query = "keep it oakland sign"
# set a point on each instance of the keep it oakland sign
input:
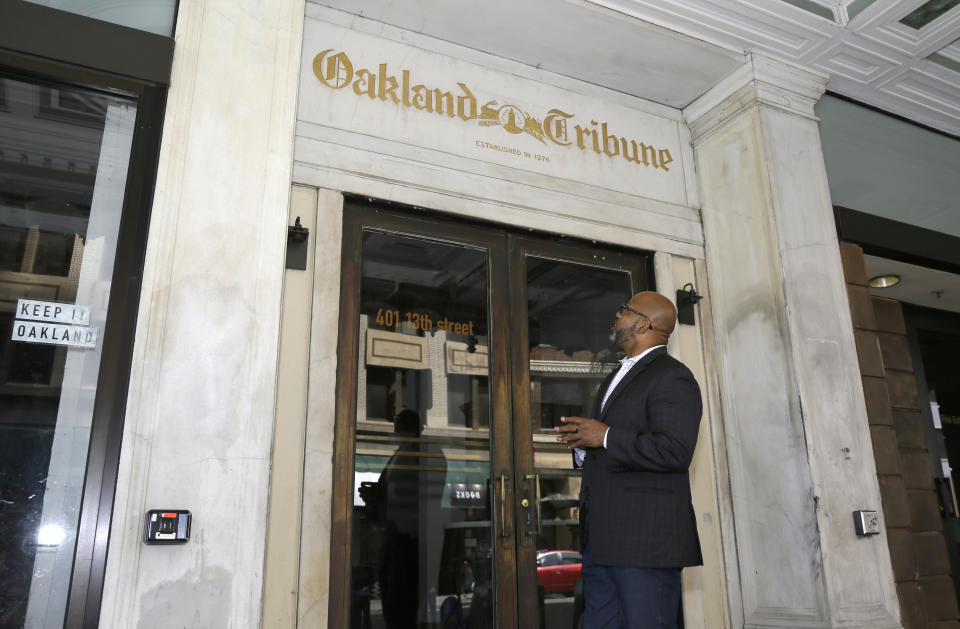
(380, 88)
(53, 323)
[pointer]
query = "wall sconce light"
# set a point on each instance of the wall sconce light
(297, 246)
(687, 298)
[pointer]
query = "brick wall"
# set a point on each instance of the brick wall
(911, 512)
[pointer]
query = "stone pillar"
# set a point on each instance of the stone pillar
(200, 411)
(796, 431)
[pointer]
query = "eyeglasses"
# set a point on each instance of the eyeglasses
(624, 306)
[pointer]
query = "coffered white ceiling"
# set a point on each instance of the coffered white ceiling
(869, 54)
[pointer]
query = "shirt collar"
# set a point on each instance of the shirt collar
(634, 359)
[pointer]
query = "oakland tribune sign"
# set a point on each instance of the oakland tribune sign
(375, 87)
(336, 71)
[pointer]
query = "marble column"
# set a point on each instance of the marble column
(796, 433)
(200, 412)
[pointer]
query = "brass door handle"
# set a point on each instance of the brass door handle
(536, 488)
(504, 533)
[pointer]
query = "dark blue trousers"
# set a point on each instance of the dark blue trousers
(629, 598)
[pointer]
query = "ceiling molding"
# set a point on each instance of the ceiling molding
(872, 57)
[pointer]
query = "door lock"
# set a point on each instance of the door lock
(524, 503)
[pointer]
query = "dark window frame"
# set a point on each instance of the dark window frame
(50, 59)
(887, 238)
(44, 33)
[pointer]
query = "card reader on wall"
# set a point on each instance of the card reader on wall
(167, 526)
(866, 522)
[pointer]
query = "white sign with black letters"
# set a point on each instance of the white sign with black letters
(52, 312)
(54, 334)
(53, 323)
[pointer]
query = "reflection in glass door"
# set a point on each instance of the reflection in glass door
(454, 505)
(569, 307)
(424, 544)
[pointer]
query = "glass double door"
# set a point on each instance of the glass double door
(461, 347)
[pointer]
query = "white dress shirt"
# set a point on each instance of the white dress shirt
(626, 364)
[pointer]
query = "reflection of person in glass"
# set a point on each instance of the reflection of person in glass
(637, 520)
(400, 499)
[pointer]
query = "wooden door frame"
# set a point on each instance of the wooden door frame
(511, 449)
(356, 219)
(639, 266)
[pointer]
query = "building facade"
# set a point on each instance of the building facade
(361, 271)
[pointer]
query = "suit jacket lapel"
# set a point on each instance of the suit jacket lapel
(602, 391)
(635, 371)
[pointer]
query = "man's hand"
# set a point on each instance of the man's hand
(581, 432)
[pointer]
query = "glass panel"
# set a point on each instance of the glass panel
(928, 12)
(422, 553)
(571, 309)
(62, 177)
(155, 16)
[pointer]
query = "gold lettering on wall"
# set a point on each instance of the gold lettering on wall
(335, 70)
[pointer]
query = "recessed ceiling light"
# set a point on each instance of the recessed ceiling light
(884, 281)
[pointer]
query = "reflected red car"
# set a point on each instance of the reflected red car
(557, 570)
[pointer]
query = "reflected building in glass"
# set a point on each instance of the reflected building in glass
(61, 190)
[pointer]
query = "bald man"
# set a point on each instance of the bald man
(637, 523)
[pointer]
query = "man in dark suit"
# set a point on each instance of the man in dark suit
(637, 522)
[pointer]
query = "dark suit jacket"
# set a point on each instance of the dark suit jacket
(635, 505)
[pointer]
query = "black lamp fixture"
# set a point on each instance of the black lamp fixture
(687, 298)
(297, 246)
